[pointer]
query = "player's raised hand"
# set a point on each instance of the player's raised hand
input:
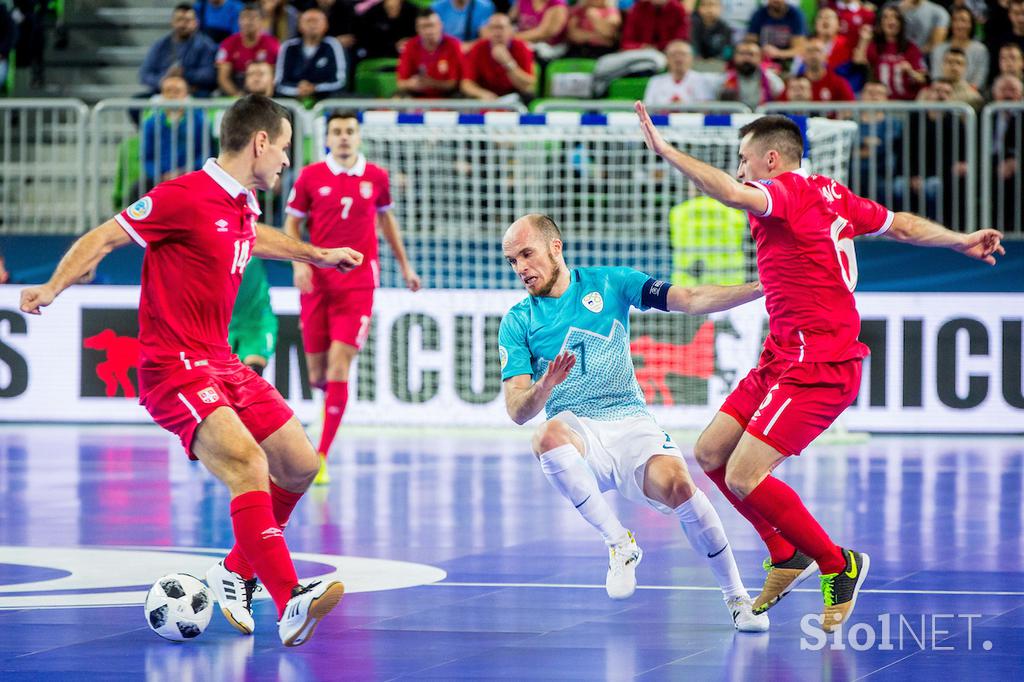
(34, 298)
(983, 245)
(652, 138)
(559, 369)
(343, 259)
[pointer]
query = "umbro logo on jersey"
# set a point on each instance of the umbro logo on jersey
(593, 302)
(222, 225)
(324, 191)
(272, 532)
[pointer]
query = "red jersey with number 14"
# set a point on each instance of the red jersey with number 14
(198, 231)
(340, 207)
(807, 264)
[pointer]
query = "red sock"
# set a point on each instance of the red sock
(262, 543)
(778, 547)
(283, 503)
(781, 506)
(335, 401)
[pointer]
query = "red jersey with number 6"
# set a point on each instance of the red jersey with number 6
(340, 207)
(807, 264)
(198, 231)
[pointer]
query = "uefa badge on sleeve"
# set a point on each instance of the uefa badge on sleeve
(502, 356)
(141, 209)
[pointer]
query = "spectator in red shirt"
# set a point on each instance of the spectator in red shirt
(826, 85)
(593, 28)
(498, 65)
(891, 58)
(837, 46)
(431, 63)
(655, 23)
(240, 49)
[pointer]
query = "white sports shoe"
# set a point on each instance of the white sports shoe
(743, 618)
(234, 594)
(623, 559)
(306, 608)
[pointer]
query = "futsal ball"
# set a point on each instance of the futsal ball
(178, 607)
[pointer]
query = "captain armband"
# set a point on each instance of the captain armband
(654, 294)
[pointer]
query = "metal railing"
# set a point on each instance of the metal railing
(43, 156)
(1002, 166)
(63, 165)
(900, 162)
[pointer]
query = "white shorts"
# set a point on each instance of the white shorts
(618, 451)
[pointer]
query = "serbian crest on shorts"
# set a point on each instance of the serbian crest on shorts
(366, 189)
(208, 395)
(593, 302)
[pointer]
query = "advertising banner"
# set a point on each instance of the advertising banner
(939, 363)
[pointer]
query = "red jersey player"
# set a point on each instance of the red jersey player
(809, 371)
(342, 200)
(199, 232)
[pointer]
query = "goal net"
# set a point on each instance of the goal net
(459, 180)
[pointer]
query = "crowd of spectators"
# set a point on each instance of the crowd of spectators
(487, 49)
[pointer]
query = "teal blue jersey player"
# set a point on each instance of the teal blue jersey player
(565, 350)
(591, 321)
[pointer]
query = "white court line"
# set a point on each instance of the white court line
(700, 588)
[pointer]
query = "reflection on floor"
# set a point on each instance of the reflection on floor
(523, 597)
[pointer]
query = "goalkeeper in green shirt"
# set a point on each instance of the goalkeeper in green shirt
(252, 333)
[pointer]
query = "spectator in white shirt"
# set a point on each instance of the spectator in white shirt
(681, 85)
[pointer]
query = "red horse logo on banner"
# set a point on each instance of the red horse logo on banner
(694, 359)
(122, 355)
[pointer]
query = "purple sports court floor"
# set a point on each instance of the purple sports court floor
(462, 563)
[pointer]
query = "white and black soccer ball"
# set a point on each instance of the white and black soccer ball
(179, 607)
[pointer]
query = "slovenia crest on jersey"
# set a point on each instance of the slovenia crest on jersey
(366, 189)
(593, 302)
(141, 209)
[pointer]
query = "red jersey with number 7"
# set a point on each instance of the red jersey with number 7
(340, 207)
(198, 231)
(807, 264)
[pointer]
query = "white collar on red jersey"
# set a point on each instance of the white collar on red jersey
(356, 170)
(230, 185)
(803, 172)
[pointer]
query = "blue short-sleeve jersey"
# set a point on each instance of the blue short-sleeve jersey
(590, 320)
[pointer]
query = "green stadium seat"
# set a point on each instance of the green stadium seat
(376, 77)
(630, 89)
(128, 172)
(565, 66)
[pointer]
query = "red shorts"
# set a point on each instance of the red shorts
(179, 399)
(788, 404)
(335, 314)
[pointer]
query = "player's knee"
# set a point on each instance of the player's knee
(551, 434)
(680, 489)
(740, 482)
(246, 468)
(709, 455)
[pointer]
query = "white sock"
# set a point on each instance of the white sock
(569, 474)
(704, 530)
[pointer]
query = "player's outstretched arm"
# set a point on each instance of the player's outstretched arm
(83, 257)
(709, 180)
(524, 398)
(711, 298)
(982, 245)
(388, 225)
(275, 245)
